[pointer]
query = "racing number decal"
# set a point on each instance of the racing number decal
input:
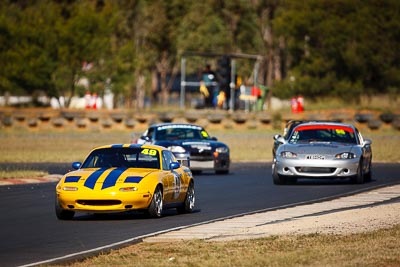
(340, 132)
(176, 184)
(204, 134)
(151, 152)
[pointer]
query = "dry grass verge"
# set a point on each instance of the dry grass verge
(378, 248)
(248, 145)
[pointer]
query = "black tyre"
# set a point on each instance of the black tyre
(368, 174)
(156, 205)
(222, 172)
(359, 177)
(291, 180)
(190, 199)
(277, 179)
(63, 214)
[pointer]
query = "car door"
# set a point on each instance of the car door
(174, 177)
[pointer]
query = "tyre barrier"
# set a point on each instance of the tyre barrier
(166, 117)
(192, 117)
(396, 123)
(239, 118)
(121, 120)
(45, 117)
(387, 117)
(58, 122)
(107, 123)
(20, 116)
(374, 124)
(215, 118)
(117, 117)
(32, 122)
(264, 118)
(8, 121)
(363, 117)
(130, 123)
(93, 116)
(81, 123)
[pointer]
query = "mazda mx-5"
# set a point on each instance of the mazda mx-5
(322, 150)
(190, 141)
(125, 177)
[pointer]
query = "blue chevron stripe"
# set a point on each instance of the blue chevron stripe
(92, 179)
(133, 179)
(72, 179)
(117, 146)
(112, 178)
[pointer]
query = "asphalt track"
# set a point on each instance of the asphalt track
(30, 232)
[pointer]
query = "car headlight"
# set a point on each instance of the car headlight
(222, 149)
(70, 188)
(128, 189)
(288, 154)
(177, 149)
(346, 155)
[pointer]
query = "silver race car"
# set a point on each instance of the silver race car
(322, 150)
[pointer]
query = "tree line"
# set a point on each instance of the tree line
(315, 48)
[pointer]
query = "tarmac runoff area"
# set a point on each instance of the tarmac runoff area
(363, 212)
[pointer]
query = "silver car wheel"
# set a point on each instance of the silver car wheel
(156, 205)
(159, 202)
(190, 199)
(277, 179)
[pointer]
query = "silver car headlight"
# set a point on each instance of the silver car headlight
(346, 155)
(222, 149)
(288, 155)
(176, 149)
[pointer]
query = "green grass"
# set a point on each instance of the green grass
(378, 248)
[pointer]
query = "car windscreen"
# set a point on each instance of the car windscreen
(123, 157)
(323, 133)
(181, 133)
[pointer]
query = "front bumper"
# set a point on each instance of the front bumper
(316, 168)
(104, 202)
(183, 159)
(199, 163)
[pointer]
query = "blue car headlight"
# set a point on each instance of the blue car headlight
(288, 155)
(177, 149)
(346, 155)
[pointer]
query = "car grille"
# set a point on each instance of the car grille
(200, 153)
(98, 202)
(315, 170)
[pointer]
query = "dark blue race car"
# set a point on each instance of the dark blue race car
(189, 141)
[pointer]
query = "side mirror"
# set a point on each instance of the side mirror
(279, 138)
(145, 138)
(76, 165)
(174, 165)
(214, 138)
(367, 142)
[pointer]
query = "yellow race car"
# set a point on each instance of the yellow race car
(124, 177)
